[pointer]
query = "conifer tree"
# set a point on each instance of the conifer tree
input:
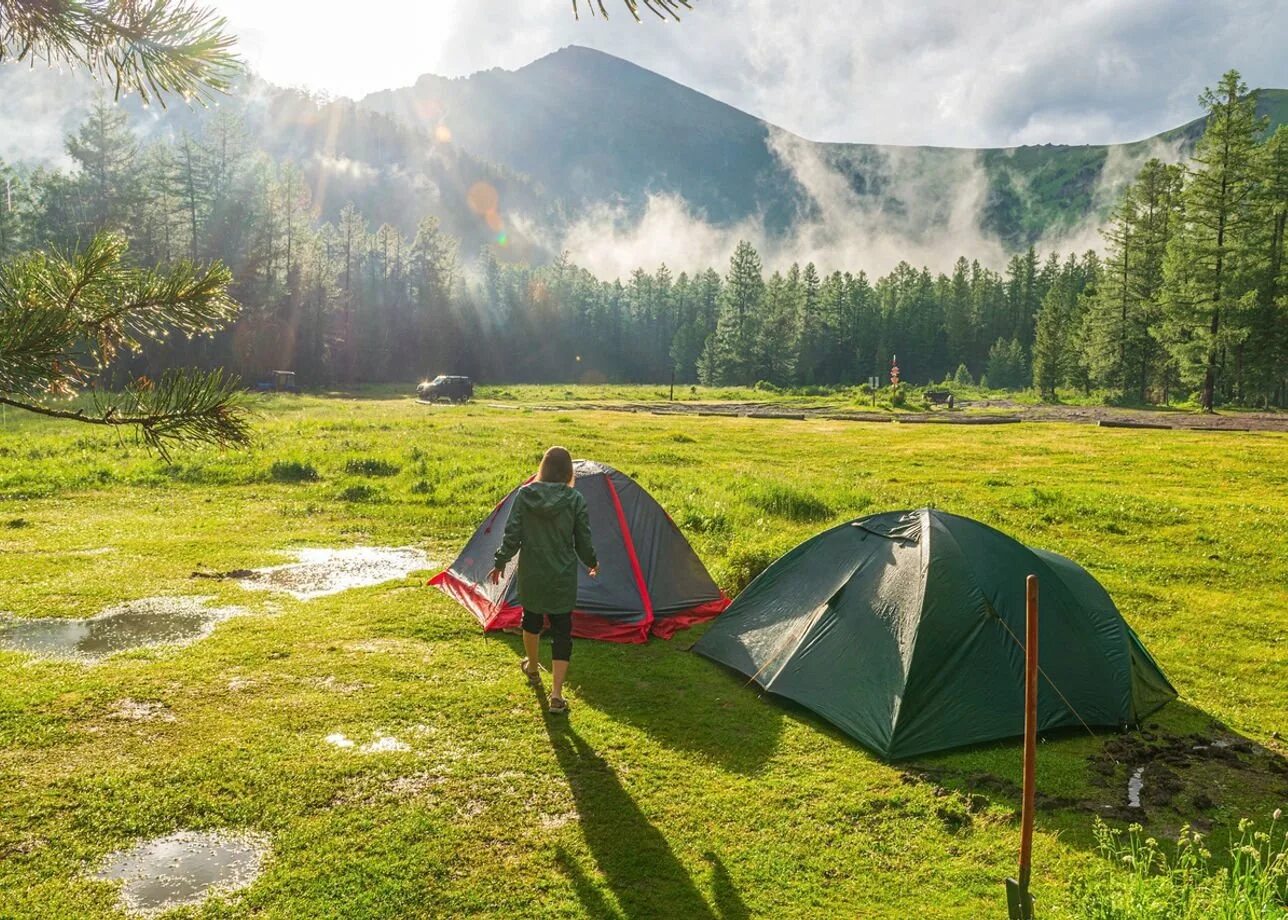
(63, 317)
(1206, 267)
(731, 354)
(1051, 344)
(1265, 366)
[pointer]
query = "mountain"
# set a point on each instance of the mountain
(592, 128)
(585, 152)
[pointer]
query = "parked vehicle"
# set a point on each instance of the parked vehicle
(452, 389)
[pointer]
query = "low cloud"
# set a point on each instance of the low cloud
(923, 208)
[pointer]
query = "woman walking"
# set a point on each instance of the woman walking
(551, 526)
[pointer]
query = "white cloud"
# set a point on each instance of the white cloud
(934, 72)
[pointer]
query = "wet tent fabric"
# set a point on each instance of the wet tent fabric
(906, 630)
(650, 580)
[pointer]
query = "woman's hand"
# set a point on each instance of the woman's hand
(494, 576)
(594, 571)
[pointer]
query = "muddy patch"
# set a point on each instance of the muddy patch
(138, 624)
(321, 572)
(1139, 776)
(184, 869)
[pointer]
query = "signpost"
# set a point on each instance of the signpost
(1018, 900)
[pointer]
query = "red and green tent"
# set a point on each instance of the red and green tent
(650, 579)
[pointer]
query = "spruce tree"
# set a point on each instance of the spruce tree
(732, 357)
(1266, 359)
(1206, 265)
(1052, 342)
(111, 177)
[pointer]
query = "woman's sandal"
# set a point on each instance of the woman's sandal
(534, 677)
(558, 704)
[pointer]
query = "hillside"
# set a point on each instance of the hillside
(591, 127)
(580, 147)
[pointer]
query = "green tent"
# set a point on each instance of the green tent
(906, 630)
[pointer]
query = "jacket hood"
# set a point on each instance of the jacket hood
(546, 498)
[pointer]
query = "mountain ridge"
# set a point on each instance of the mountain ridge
(597, 130)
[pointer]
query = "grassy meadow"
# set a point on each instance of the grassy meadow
(672, 789)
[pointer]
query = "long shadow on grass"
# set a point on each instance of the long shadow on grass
(637, 863)
(678, 699)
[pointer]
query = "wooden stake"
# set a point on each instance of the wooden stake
(1019, 901)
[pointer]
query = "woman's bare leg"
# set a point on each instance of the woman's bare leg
(560, 670)
(532, 648)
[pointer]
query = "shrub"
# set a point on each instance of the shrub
(962, 377)
(790, 503)
(898, 397)
(705, 522)
(293, 471)
(360, 493)
(370, 466)
(744, 565)
(1253, 885)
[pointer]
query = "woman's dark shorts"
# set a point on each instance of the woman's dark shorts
(560, 631)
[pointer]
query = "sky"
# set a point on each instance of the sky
(942, 72)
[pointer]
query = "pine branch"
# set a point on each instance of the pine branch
(64, 317)
(152, 47)
(660, 8)
(184, 407)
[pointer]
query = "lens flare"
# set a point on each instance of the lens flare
(443, 134)
(482, 198)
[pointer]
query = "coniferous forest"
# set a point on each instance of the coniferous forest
(1186, 298)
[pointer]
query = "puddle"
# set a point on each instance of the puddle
(184, 869)
(320, 572)
(1134, 787)
(138, 624)
(381, 744)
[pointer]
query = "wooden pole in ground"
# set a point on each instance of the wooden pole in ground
(1019, 900)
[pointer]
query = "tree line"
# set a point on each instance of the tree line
(1187, 296)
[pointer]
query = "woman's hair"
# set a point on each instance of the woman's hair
(556, 466)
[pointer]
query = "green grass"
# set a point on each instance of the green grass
(673, 790)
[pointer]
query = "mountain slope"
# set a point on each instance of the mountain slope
(592, 128)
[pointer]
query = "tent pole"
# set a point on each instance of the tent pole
(1019, 901)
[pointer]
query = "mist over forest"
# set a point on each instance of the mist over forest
(511, 227)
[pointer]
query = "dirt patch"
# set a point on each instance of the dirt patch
(550, 822)
(130, 710)
(1143, 774)
(138, 624)
(321, 572)
(184, 869)
(980, 412)
(380, 744)
(369, 790)
(331, 685)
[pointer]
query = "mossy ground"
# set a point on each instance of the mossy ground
(672, 790)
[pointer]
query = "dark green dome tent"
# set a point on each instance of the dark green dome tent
(906, 630)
